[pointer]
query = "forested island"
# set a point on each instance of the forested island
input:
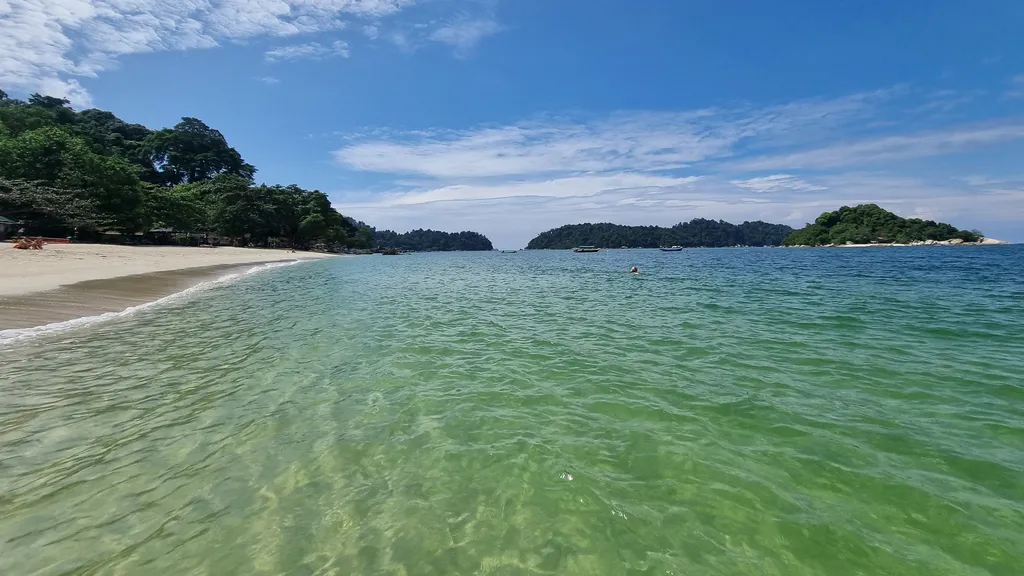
(90, 175)
(869, 224)
(431, 240)
(698, 232)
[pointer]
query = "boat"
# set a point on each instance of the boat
(586, 249)
(509, 251)
(673, 249)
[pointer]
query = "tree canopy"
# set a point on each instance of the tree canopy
(431, 240)
(698, 232)
(868, 223)
(66, 172)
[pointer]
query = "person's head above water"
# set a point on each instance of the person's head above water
(635, 270)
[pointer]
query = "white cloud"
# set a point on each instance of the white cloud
(69, 89)
(777, 183)
(1016, 87)
(775, 163)
(572, 187)
(371, 31)
(511, 213)
(633, 141)
(465, 34)
(269, 80)
(44, 42)
(310, 50)
(888, 148)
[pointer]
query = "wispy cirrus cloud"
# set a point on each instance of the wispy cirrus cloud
(785, 163)
(510, 213)
(777, 183)
(890, 148)
(309, 50)
(46, 44)
(464, 34)
(1016, 89)
(626, 141)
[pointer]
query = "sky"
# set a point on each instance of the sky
(511, 117)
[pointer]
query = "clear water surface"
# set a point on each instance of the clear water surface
(727, 412)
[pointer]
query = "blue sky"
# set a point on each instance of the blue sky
(510, 117)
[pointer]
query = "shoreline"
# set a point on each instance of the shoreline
(24, 272)
(984, 242)
(73, 284)
(84, 303)
(94, 298)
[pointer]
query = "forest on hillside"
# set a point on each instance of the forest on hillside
(869, 223)
(698, 232)
(83, 173)
(431, 240)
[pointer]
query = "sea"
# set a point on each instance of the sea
(725, 412)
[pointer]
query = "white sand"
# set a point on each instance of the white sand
(26, 271)
(982, 242)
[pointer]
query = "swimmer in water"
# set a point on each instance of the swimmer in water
(635, 270)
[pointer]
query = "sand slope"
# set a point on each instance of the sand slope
(26, 271)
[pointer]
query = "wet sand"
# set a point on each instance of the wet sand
(29, 271)
(94, 297)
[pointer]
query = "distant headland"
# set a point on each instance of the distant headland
(871, 225)
(89, 176)
(697, 233)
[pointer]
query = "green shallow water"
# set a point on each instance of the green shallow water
(727, 412)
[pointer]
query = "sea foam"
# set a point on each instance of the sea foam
(11, 336)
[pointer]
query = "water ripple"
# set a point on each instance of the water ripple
(728, 412)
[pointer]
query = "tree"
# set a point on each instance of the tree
(180, 208)
(108, 135)
(59, 106)
(44, 209)
(192, 152)
(63, 169)
(312, 227)
(431, 240)
(697, 232)
(870, 223)
(62, 160)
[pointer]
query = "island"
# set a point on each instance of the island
(699, 232)
(89, 176)
(431, 241)
(871, 225)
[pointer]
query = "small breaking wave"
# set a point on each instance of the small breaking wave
(8, 337)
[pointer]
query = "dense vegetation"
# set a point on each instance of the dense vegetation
(695, 233)
(869, 223)
(65, 173)
(431, 240)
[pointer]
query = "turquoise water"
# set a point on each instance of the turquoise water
(727, 412)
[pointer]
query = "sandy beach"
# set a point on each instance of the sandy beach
(28, 271)
(982, 242)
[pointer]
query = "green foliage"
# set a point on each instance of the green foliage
(61, 160)
(697, 232)
(870, 223)
(109, 135)
(192, 152)
(63, 171)
(810, 235)
(178, 208)
(43, 209)
(431, 240)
